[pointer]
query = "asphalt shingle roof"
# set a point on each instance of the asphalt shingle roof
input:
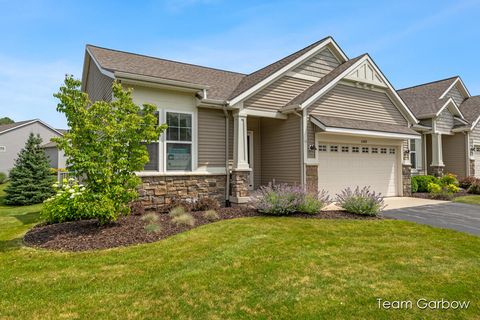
(470, 108)
(9, 126)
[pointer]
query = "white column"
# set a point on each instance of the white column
(240, 154)
(437, 153)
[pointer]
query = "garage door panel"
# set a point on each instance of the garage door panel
(339, 170)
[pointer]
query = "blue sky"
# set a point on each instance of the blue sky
(411, 41)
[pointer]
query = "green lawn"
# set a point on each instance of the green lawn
(469, 199)
(266, 268)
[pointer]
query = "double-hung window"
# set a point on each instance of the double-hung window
(178, 141)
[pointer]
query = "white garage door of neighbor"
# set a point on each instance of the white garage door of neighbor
(348, 165)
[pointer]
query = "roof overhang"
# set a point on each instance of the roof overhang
(136, 79)
(363, 133)
(274, 76)
(29, 123)
(89, 57)
(461, 86)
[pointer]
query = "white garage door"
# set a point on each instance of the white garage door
(477, 161)
(349, 165)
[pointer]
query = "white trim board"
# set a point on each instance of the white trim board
(464, 88)
(30, 122)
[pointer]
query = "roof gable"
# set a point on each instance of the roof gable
(471, 110)
(365, 73)
(16, 125)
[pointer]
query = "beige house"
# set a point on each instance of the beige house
(449, 123)
(314, 118)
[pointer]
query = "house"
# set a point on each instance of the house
(449, 124)
(14, 136)
(315, 118)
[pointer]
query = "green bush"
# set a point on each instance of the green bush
(311, 204)
(361, 201)
(423, 181)
(414, 185)
(3, 177)
(475, 187)
(444, 192)
(449, 179)
(65, 205)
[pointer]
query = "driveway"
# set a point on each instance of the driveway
(449, 215)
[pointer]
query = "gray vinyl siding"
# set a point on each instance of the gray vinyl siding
(211, 138)
(445, 121)
(349, 102)
(475, 135)
(426, 122)
(253, 124)
(280, 152)
(455, 94)
(276, 95)
(310, 139)
(230, 137)
(99, 86)
(454, 154)
(15, 140)
(319, 65)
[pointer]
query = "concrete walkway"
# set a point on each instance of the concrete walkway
(406, 202)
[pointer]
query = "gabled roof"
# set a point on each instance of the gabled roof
(471, 109)
(10, 126)
(220, 82)
(424, 100)
(317, 86)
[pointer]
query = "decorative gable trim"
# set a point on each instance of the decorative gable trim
(365, 73)
(460, 85)
(267, 81)
(453, 108)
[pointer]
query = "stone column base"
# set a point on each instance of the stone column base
(311, 174)
(472, 168)
(437, 171)
(407, 180)
(240, 194)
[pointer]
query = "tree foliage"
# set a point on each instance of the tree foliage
(30, 178)
(105, 145)
(6, 120)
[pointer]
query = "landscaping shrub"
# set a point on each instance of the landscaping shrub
(434, 188)
(206, 203)
(414, 185)
(177, 211)
(361, 201)
(449, 179)
(466, 182)
(211, 215)
(313, 203)
(475, 187)
(30, 179)
(152, 222)
(185, 219)
(442, 191)
(3, 177)
(423, 181)
(153, 228)
(65, 205)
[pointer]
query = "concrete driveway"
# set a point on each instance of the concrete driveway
(443, 214)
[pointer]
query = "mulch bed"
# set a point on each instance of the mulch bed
(88, 235)
(426, 195)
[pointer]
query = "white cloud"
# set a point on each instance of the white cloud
(26, 89)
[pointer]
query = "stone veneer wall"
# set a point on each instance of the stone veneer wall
(239, 186)
(158, 191)
(437, 171)
(312, 178)
(407, 180)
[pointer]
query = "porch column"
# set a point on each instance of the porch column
(437, 164)
(241, 169)
(406, 169)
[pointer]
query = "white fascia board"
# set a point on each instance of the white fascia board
(264, 114)
(103, 71)
(368, 133)
(475, 123)
(283, 70)
(452, 103)
(30, 122)
(155, 82)
(464, 88)
(330, 85)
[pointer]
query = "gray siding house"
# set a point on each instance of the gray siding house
(13, 137)
(315, 118)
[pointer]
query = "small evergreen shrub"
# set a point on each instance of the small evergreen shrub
(423, 181)
(30, 179)
(177, 211)
(3, 177)
(211, 215)
(466, 182)
(414, 185)
(474, 187)
(449, 179)
(283, 199)
(206, 203)
(185, 219)
(361, 201)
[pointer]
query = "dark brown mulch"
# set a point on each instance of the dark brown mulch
(88, 235)
(426, 195)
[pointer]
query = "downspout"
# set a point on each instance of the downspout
(302, 144)
(227, 156)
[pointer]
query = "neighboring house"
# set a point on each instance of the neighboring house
(315, 118)
(14, 136)
(449, 119)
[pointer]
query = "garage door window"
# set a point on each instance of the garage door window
(355, 149)
(374, 150)
(333, 148)
(345, 148)
(365, 150)
(383, 150)
(322, 148)
(392, 150)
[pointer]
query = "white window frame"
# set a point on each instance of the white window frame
(3, 149)
(193, 143)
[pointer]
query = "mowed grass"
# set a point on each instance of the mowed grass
(468, 199)
(264, 268)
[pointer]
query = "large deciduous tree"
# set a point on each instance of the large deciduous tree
(105, 145)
